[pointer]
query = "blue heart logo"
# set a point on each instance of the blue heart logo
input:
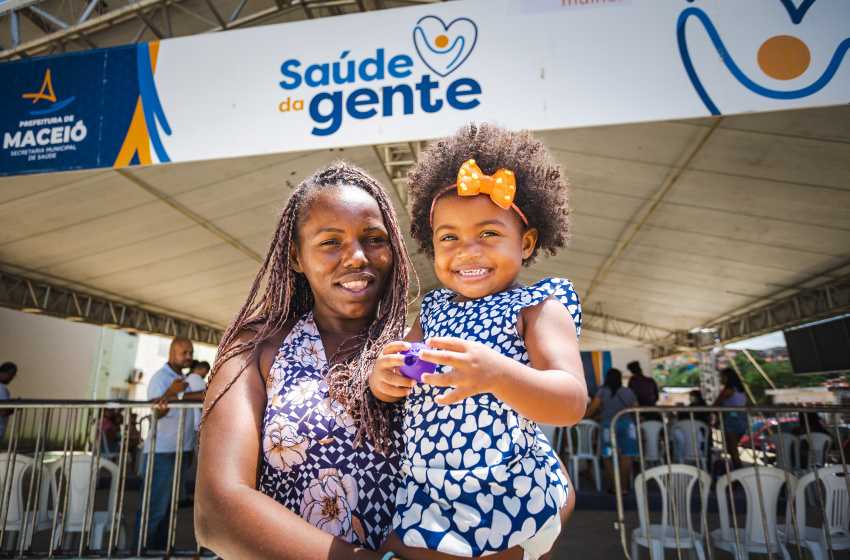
(443, 48)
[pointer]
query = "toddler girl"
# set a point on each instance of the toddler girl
(479, 476)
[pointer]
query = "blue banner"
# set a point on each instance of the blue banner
(68, 112)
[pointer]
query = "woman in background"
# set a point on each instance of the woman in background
(611, 398)
(734, 423)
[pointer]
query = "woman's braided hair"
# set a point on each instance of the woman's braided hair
(541, 191)
(287, 296)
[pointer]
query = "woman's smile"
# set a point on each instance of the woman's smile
(357, 284)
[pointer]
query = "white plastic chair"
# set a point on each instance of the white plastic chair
(36, 520)
(691, 450)
(652, 454)
(677, 486)
(837, 508)
(15, 508)
(78, 488)
(752, 536)
(787, 450)
(104, 449)
(819, 447)
(586, 435)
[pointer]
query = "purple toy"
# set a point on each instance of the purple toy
(413, 366)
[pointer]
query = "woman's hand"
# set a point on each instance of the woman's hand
(386, 382)
(476, 368)
(594, 407)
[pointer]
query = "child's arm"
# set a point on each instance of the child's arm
(552, 391)
(386, 382)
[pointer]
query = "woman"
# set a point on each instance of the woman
(734, 423)
(696, 399)
(611, 398)
(292, 377)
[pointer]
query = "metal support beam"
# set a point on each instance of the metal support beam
(149, 24)
(55, 21)
(822, 302)
(709, 378)
(597, 320)
(396, 160)
(89, 9)
(215, 13)
(17, 292)
(98, 16)
(15, 29)
(237, 11)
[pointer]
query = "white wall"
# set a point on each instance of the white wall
(58, 359)
(118, 357)
(622, 356)
(54, 356)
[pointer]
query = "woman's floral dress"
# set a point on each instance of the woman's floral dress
(310, 464)
(478, 477)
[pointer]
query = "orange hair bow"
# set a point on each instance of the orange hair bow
(471, 181)
(501, 186)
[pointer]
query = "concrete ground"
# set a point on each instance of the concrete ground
(591, 533)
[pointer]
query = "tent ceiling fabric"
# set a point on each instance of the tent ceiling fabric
(30, 28)
(676, 224)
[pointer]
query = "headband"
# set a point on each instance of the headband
(501, 187)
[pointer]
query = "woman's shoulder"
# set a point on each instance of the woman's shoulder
(267, 349)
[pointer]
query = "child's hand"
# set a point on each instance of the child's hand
(386, 382)
(476, 368)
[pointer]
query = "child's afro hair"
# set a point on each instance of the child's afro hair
(541, 190)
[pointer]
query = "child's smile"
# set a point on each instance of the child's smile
(478, 246)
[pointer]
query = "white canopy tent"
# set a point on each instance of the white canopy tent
(678, 225)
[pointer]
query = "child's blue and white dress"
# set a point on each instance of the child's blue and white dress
(478, 477)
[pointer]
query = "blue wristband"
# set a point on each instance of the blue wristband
(388, 556)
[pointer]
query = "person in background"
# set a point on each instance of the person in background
(611, 398)
(166, 385)
(198, 372)
(734, 423)
(110, 430)
(645, 389)
(696, 400)
(134, 437)
(8, 371)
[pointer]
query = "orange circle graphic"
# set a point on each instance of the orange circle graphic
(441, 41)
(784, 57)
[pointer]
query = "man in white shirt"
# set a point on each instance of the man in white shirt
(165, 385)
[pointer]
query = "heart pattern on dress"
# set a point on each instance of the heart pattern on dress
(491, 474)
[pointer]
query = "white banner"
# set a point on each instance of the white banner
(421, 72)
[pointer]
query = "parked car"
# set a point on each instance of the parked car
(762, 428)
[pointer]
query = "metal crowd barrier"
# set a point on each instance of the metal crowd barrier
(770, 476)
(45, 500)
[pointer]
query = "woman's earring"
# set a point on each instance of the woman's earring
(378, 314)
